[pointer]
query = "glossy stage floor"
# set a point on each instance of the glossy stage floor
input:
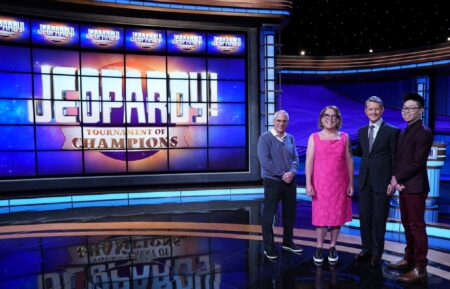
(191, 242)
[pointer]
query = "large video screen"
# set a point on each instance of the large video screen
(83, 100)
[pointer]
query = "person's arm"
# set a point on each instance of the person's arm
(349, 160)
(393, 146)
(264, 156)
(356, 149)
(309, 166)
(294, 161)
(419, 158)
(289, 176)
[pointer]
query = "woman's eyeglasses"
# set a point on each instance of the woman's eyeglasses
(330, 116)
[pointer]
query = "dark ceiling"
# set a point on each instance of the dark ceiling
(333, 27)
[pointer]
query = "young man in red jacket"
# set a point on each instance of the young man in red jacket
(411, 180)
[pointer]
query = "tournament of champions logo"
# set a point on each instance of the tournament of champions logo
(141, 117)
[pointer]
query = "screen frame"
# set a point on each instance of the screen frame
(251, 175)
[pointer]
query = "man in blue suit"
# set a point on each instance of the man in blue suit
(377, 145)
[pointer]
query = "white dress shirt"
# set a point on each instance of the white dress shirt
(376, 128)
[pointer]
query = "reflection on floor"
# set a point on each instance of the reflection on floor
(191, 245)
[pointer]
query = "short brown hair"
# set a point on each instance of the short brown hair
(338, 114)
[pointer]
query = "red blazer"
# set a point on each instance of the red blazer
(413, 148)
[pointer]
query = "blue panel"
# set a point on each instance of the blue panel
(229, 114)
(14, 58)
(15, 85)
(186, 64)
(51, 58)
(14, 112)
(187, 160)
(231, 91)
(227, 68)
(17, 164)
(227, 136)
(60, 163)
(56, 137)
(16, 138)
(227, 159)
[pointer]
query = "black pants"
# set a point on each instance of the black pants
(373, 213)
(274, 191)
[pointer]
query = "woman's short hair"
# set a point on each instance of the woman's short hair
(338, 115)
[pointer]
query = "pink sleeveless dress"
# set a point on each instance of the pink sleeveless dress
(330, 205)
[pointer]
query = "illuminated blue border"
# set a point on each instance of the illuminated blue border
(197, 7)
(397, 227)
(163, 197)
(364, 70)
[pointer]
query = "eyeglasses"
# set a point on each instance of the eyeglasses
(410, 109)
(330, 116)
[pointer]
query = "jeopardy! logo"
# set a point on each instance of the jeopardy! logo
(227, 43)
(103, 37)
(11, 28)
(104, 106)
(56, 33)
(147, 40)
(187, 42)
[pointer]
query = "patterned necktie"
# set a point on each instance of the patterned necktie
(371, 138)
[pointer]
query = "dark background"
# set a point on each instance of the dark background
(332, 27)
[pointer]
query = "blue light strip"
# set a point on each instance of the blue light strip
(131, 198)
(103, 197)
(198, 7)
(163, 197)
(39, 201)
(364, 70)
(397, 227)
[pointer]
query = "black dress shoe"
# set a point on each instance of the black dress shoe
(363, 255)
(375, 261)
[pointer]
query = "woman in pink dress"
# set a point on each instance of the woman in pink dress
(329, 180)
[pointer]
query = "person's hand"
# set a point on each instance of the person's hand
(394, 182)
(309, 191)
(399, 187)
(288, 177)
(390, 190)
(350, 190)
